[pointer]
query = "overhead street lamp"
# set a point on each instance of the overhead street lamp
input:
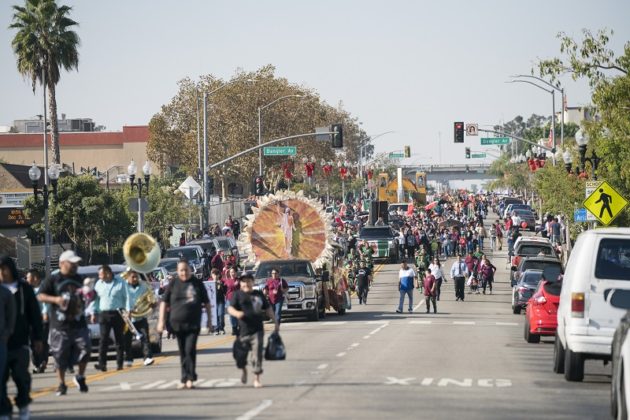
(568, 160)
(563, 96)
(133, 182)
(260, 109)
(34, 173)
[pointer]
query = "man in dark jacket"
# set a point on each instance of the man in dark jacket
(28, 328)
(7, 322)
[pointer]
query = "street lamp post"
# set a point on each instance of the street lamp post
(133, 182)
(568, 160)
(52, 175)
(260, 109)
(581, 138)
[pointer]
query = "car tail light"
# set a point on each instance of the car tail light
(577, 305)
(541, 299)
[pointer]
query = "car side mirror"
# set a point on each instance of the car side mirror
(618, 298)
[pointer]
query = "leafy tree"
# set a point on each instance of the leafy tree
(44, 44)
(512, 176)
(607, 74)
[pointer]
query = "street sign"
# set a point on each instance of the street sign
(189, 187)
(280, 151)
(472, 129)
(478, 155)
(396, 155)
(494, 140)
(322, 137)
(590, 187)
(579, 215)
(605, 203)
(133, 205)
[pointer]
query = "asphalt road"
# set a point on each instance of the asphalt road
(467, 361)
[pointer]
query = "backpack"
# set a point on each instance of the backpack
(275, 349)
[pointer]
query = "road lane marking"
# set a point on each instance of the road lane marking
(378, 329)
(333, 323)
(169, 384)
(124, 386)
(153, 384)
(376, 322)
(322, 366)
(355, 344)
(419, 304)
(265, 404)
(463, 322)
(395, 381)
(507, 323)
(343, 353)
(365, 337)
(421, 322)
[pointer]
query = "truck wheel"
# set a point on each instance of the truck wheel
(573, 366)
(558, 356)
(529, 337)
(314, 316)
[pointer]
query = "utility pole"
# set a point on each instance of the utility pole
(47, 240)
(205, 156)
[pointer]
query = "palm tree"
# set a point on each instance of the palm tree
(45, 43)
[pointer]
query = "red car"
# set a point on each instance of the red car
(541, 313)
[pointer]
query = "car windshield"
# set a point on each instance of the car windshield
(223, 244)
(613, 259)
(531, 279)
(534, 249)
(287, 269)
(553, 269)
(170, 266)
(523, 212)
(376, 233)
(188, 253)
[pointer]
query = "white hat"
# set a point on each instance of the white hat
(69, 256)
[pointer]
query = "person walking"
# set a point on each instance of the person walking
(185, 298)
(249, 306)
(406, 280)
(7, 324)
(27, 330)
(69, 337)
(215, 276)
(231, 284)
(430, 291)
(275, 289)
(363, 277)
(486, 270)
(459, 271)
(39, 359)
(436, 270)
(136, 289)
(111, 296)
(493, 237)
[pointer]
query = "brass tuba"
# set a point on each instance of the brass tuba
(145, 304)
(142, 253)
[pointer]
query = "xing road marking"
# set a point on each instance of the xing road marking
(450, 382)
(104, 375)
(265, 404)
(161, 384)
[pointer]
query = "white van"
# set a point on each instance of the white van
(586, 322)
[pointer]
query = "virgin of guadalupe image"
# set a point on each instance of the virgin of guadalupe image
(287, 225)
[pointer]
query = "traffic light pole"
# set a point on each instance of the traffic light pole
(260, 146)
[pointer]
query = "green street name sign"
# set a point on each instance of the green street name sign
(478, 155)
(280, 151)
(396, 155)
(494, 140)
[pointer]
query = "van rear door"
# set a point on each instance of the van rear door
(611, 271)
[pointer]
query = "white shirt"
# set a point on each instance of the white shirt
(436, 271)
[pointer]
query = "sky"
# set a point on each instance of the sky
(412, 67)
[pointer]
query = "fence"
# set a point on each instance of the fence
(218, 212)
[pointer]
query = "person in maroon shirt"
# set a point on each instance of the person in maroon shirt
(275, 288)
(217, 261)
(430, 286)
(231, 283)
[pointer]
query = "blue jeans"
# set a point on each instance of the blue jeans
(277, 309)
(220, 316)
(404, 292)
(480, 243)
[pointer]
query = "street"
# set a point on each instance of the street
(467, 361)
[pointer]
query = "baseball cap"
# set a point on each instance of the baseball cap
(70, 256)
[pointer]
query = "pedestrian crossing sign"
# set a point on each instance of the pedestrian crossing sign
(605, 203)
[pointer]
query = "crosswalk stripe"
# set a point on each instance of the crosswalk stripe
(463, 322)
(153, 384)
(333, 322)
(507, 323)
(420, 322)
(169, 384)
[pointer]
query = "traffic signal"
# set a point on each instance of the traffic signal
(210, 186)
(459, 132)
(468, 153)
(259, 186)
(407, 151)
(337, 136)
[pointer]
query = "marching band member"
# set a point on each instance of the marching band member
(135, 290)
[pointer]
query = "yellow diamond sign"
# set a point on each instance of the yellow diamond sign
(605, 203)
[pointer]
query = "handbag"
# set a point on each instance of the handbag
(275, 348)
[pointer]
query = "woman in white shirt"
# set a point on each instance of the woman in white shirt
(436, 270)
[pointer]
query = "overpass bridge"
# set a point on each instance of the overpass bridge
(446, 173)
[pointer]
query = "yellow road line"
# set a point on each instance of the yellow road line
(104, 375)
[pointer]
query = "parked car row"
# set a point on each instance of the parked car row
(586, 309)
